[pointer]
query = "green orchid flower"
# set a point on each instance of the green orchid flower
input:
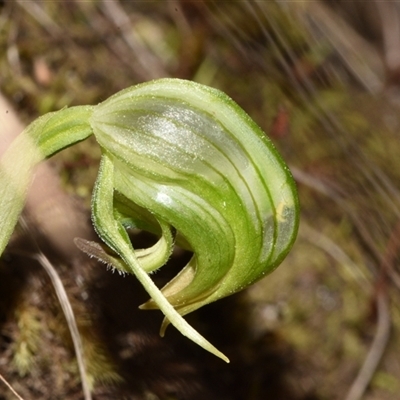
(184, 161)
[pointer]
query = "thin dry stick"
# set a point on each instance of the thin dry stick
(325, 243)
(382, 335)
(150, 65)
(383, 331)
(10, 387)
(388, 262)
(41, 17)
(336, 194)
(361, 59)
(390, 22)
(67, 310)
(71, 321)
(376, 351)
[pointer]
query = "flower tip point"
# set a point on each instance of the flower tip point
(223, 357)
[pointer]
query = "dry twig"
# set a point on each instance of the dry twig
(318, 239)
(149, 65)
(361, 59)
(376, 351)
(10, 387)
(67, 310)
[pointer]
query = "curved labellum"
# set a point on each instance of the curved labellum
(183, 160)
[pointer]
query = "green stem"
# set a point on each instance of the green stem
(44, 137)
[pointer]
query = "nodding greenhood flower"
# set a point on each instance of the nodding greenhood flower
(184, 161)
